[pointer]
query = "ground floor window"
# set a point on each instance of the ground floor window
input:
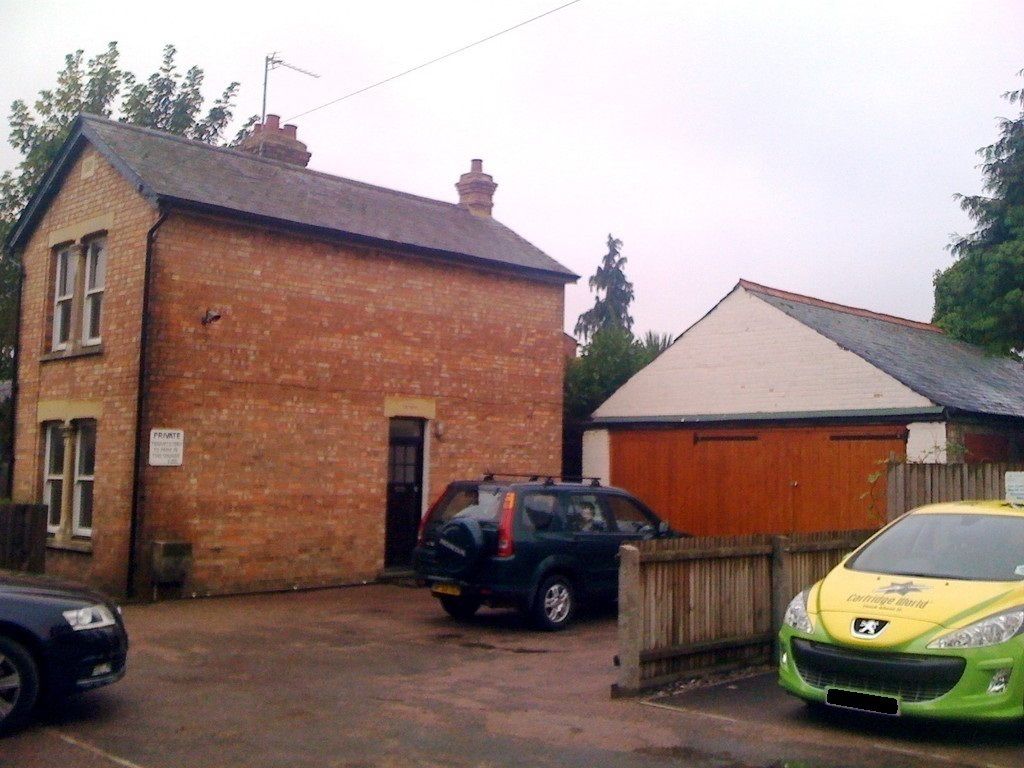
(53, 474)
(69, 462)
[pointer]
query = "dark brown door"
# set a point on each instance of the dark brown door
(405, 490)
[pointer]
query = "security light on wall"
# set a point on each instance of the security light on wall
(211, 316)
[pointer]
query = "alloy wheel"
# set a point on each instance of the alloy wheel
(10, 686)
(557, 602)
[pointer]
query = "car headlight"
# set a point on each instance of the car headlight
(991, 631)
(796, 613)
(91, 617)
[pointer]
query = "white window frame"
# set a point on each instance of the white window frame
(67, 254)
(80, 479)
(98, 248)
(52, 428)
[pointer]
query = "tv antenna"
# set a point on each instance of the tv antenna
(273, 62)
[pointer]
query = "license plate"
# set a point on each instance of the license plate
(865, 702)
(446, 589)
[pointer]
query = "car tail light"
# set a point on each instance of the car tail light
(426, 519)
(508, 508)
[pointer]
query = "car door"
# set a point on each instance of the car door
(596, 542)
(630, 519)
(543, 534)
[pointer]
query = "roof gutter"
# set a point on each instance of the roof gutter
(927, 413)
(11, 419)
(136, 511)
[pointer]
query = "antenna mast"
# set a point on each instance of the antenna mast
(273, 62)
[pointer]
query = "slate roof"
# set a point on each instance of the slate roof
(172, 170)
(950, 373)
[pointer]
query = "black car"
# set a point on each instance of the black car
(55, 639)
(541, 546)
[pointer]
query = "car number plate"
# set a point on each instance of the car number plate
(865, 702)
(446, 589)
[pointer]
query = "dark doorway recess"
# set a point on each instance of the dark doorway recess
(405, 490)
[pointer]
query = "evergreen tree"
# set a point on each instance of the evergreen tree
(614, 293)
(610, 354)
(980, 298)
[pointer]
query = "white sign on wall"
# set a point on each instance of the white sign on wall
(1015, 488)
(166, 447)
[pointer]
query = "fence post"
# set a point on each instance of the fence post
(781, 587)
(630, 621)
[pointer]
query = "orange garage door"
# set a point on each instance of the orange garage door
(712, 482)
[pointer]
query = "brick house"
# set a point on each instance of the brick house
(774, 411)
(279, 367)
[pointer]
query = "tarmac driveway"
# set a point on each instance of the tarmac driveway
(379, 676)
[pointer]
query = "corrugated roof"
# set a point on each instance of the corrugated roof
(178, 171)
(948, 372)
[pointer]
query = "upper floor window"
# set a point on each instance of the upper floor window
(64, 296)
(95, 276)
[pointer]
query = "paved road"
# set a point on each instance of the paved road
(378, 677)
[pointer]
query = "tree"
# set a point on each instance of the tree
(610, 355)
(980, 298)
(165, 100)
(614, 293)
(652, 345)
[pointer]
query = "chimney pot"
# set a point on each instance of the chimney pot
(476, 190)
(276, 142)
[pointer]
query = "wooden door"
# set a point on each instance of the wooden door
(405, 490)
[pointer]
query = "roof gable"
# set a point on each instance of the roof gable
(746, 360)
(948, 372)
(178, 172)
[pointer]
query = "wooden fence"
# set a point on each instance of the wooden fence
(23, 537)
(911, 485)
(692, 605)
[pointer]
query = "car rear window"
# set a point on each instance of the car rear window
(969, 547)
(481, 503)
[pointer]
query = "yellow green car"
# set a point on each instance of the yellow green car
(925, 619)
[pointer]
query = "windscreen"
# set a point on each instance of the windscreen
(948, 546)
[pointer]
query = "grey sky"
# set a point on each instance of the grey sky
(812, 146)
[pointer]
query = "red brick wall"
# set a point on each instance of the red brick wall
(282, 399)
(108, 379)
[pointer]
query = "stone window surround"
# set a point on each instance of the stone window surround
(68, 414)
(76, 238)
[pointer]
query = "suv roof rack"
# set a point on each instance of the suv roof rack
(548, 479)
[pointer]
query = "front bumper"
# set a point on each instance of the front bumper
(87, 659)
(937, 689)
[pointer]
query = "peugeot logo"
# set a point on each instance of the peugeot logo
(868, 629)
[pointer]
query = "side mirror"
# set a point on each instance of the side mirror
(663, 528)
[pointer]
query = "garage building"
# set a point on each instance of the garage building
(777, 412)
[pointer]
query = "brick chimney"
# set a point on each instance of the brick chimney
(273, 141)
(476, 190)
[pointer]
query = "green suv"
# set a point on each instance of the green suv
(539, 545)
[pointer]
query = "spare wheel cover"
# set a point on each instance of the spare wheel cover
(459, 545)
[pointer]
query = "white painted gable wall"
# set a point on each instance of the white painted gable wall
(746, 357)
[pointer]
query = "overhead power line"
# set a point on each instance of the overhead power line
(433, 61)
